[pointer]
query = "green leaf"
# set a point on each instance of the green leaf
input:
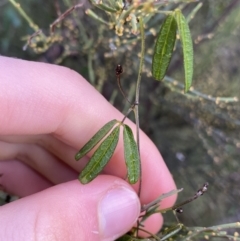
(95, 139)
(100, 157)
(186, 40)
(164, 47)
(131, 155)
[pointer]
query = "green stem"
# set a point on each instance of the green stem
(24, 15)
(91, 74)
(172, 83)
(215, 228)
(136, 110)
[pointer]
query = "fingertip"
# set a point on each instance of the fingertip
(118, 211)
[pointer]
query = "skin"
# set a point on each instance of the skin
(48, 113)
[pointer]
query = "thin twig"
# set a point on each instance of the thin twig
(59, 19)
(136, 109)
(119, 71)
(199, 193)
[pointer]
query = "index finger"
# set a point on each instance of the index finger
(39, 98)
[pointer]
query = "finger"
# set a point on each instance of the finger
(18, 179)
(102, 210)
(38, 159)
(152, 225)
(60, 101)
(54, 146)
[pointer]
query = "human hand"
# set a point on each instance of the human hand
(47, 113)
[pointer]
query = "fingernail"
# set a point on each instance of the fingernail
(118, 211)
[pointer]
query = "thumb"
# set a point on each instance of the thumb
(104, 209)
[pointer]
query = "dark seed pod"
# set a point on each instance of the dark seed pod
(119, 70)
(179, 210)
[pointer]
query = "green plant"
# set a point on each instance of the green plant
(119, 14)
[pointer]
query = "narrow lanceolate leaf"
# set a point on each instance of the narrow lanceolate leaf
(164, 48)
(131, 155)
(100, 157)
(95, 139)
(186, 40)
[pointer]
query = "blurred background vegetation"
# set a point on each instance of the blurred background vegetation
(197, 133)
